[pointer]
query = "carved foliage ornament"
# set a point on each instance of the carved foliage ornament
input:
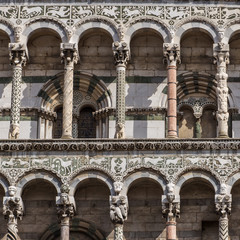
(118, 209)
(171, 53)
(120, 53)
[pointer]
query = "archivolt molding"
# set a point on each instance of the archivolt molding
(96, 22)
(202, 173)
(88, 172)
(230, 29)
(190, 25)
(51, 22)
(148, 22)
(31, 175)
(8, 27)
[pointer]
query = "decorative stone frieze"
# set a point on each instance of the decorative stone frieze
(171, 53)
(121, 56)
(18, 59)
(69, 55)
(223, 203)
(65, 211)
(221, 56)
(12, 211)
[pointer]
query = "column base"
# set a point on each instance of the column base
(223, 136)
(172, 136)
(66, 137)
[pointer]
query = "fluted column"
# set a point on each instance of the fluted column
(17, 59)
(65, 211)
(69, 57)
(121, 56)
(12, 211)
(172, 57)
(223, 207)
(221, 55)
(171, 211)
(118, 211)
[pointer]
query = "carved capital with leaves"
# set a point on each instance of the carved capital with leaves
(171, 53)
(118, 209)
(221, 54)
(69, 53)
(17, 54)
(120, 53)
(223, 203)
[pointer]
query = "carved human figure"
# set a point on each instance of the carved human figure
(121, 57)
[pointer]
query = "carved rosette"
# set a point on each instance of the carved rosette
(121, 56)
(69, 57)
(223, 208)
(18, 59)
(118, 211)
(12, 211)
(221, 58)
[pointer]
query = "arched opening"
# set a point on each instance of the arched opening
(95, 50)
(234, 218)
(92, 204)
(187, 125)
(196, 51)
(145, 220)
(86, 123)
(39, 198)
(57, 125)
(209, 123)
(3, 224)
(198, 216)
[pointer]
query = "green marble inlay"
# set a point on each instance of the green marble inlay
(141, 117)
(22, 118)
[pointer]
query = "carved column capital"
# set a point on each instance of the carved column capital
(120, 53)
(17, 54)
(171, 53)
(12, 211)
(221, 54)
(118, 209)
(223, 203)
(69, 53)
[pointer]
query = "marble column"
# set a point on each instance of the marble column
(12, 211)
(69, 57)
(118, 211)
(221, 56)
(121, 56)
(172, 57)
(171, 211)
(65, 211)
(223, 208)
(17, 59)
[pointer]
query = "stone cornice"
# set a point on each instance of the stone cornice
(101, 145)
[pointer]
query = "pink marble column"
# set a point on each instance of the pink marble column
(171, 230)
(172, 57)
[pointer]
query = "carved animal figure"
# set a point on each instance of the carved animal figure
(109, 12)
(33, 11)
(230, 13)
(58, 11)
(131, 13)
(175, 14)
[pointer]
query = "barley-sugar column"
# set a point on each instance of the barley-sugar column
(221, 55)
(121, 56)
(69, 57)
(18, 59)
(172, 57)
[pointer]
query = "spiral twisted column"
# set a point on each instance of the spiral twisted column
(171, 211)
(65, 211)
(12, 211)
(172, 57)
(69, 57)
(121, 56)
(17, 59)
(221, 56)
(223, 208)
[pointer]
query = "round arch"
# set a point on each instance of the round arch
(45, 176)
(130, 179)
(92, 23)
(90, 174)
(7, 28)
(191, 26)
(232, 180)
(4, 183)
(196, 174)
(156, 26)
(76, 225)
(230, 30)
(48, 23)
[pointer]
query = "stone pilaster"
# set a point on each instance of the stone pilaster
(221, 56)
(223, 208)
(118, 211)
(171, 54)
(171, 211)
(69, 57)
(121, 56)
(12, 211)
(18, 59)
(65, 211)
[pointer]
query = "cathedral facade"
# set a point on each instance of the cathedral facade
(119, 120)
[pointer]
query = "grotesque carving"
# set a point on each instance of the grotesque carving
(118, 209)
